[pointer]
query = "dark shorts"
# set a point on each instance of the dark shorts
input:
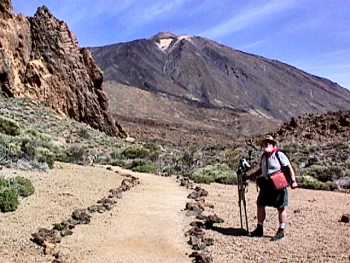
(269, 196)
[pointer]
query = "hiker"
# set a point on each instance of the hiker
(272, 162)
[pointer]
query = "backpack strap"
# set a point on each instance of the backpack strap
(284, 169)
(278, 157)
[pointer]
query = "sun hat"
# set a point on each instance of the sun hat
(267, 138)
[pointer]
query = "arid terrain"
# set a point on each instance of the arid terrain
(313, 233)
(142, 167)
(149, 222)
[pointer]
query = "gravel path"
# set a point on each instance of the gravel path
(147, 226)
(313, 234)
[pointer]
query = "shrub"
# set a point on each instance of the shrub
(154, 151)
(28, 147)
(147, 167)
(228, 179)
(84, 133)
(4, 155)
(103, 159)
(3, 183)
(135, 152)
(344, 183)
(14, 150)
(76, 154)
(116, 155)
(8, 200)
(347, 164)
(325, 174)
(310, 182)
(219, 173)
(44, 155)
(23, 186)
(291, 148)
(9, 127)
(232, 158)
(118, 162)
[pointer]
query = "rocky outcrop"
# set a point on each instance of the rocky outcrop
(40, 58)
(332, 127)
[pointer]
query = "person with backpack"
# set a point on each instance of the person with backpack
(273, 177)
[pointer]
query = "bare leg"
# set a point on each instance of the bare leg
(261, 214)
(282, 216)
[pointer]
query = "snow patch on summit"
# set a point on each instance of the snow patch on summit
(165, 43)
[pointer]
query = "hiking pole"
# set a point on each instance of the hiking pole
(242, 185)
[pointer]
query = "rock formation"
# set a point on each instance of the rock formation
(40, 58)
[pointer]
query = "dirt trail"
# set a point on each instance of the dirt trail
(146, 226)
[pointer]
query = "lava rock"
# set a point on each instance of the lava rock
(195, 231)
(345, 218)
(186, 182)
(193, 209)
(81, 216)
(196, 243)
(44, 235)
(117, 193)
(201, 257)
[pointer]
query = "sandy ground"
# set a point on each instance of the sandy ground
(57, 194)
(147, 225)
(313, 234)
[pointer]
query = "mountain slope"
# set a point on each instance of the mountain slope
(204, 72)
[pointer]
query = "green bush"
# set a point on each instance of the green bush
(140, 165)
(310, 182)
(3, 183)
(103, 159)
(228, 179)
(154, 151)
(135, 152)
(84, 133)
(9, 127)
(118, 162)
(324, 173)
(291, 148)
(219, 173)
(8, 200)
(347, 164)
(232, 158)
(44, 155)
(23, 186)
(116, 154)
(147, 167)
(76, 154)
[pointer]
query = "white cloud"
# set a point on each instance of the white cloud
(157, 9)
(248, 18)
(251, 45)
(80, 10)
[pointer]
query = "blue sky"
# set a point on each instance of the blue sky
(313, 35)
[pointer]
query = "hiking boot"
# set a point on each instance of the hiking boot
(258, 232)
(279, 235)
